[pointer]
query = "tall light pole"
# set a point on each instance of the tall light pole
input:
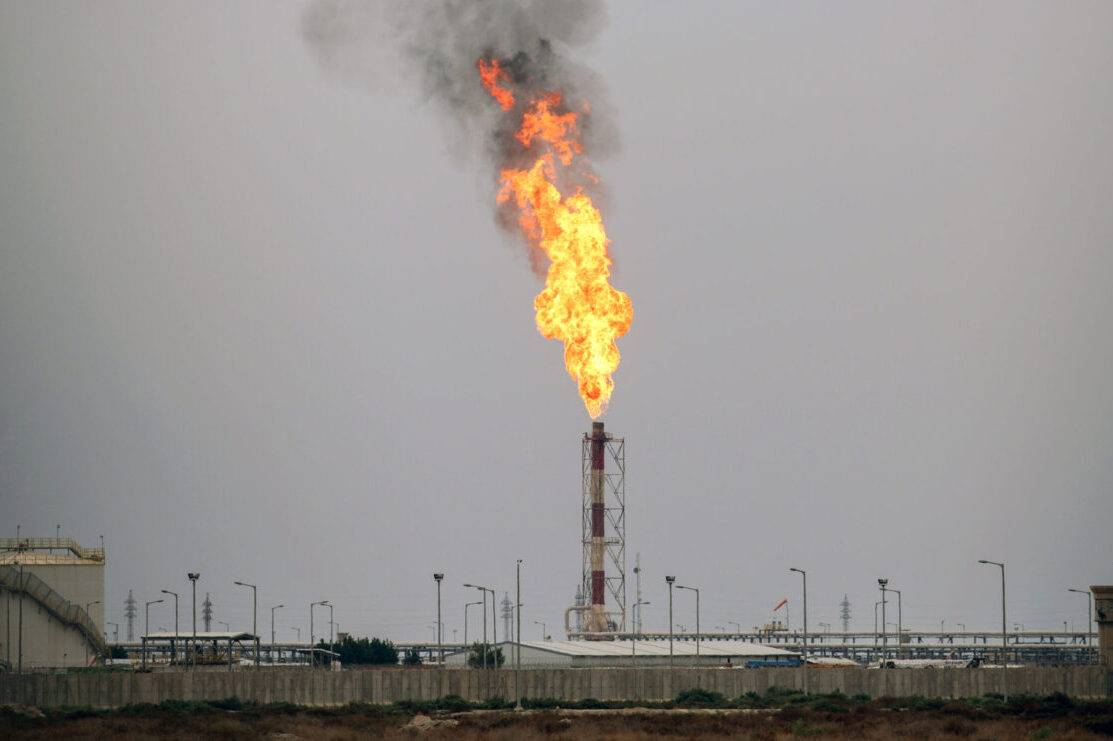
(804, 574)
(637, 624)
(518, 620)
(883, 583)
(227, 627)
(147, 627)
(331, 623)
(312, 647)
(174, 644)
(670, 580)
(494, 628)
(484, 612)
(1089, 615)
(276, 607)
(89, 606)
(737, 626)
(254, 614)
(875, 606)
(193, 577)
(115, 631)
(900, 625)
(544, 633)
(1004, 622)
(693, 589)
(469, 604)
(437, 577)
(297, 630)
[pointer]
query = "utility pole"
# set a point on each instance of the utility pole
(882, 582)
(193, 577)
(670, 580)
(437, 577)
(518, 619)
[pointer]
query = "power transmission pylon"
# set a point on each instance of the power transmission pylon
(130, 611)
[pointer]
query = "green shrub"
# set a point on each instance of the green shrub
(700, 698)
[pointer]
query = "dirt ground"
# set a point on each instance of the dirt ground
(612, 725)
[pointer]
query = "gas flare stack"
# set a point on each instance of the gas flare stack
(604, 505)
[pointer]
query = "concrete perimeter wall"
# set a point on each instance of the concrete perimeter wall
(306, 687)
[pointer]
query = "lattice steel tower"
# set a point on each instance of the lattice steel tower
(207, 612)
(130, 611)
(604, 509)
(844, 613)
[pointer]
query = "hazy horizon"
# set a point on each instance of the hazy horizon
(258, 320)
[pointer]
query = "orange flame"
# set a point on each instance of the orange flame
(552, 128)
(578, 305)
(490, 73)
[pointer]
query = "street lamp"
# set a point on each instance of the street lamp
(276, 607)
(1089, 614)
(737, 626)
(637, 624)
(254, 615)
(193, 577)
(297, 630)
(804, 574)
(227, 627)
(826, 627)
(494, 629)
(174, 644)
(147, 627)
(437, 577)
(544, 632)
(1004, 622)
(900, 625)
(331, 632)
(670, 580)
(693, 589)
(312, 647)
(875, 606)
(518, 623)
(469, 604)
(115, 631)
(882, 582)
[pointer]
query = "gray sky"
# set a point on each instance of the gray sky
(258, 322)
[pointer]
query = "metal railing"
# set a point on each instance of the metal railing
(58, 606)
(43, 544)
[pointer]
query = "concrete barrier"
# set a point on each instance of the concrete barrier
(306, 687)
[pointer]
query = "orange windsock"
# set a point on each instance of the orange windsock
(781, 604)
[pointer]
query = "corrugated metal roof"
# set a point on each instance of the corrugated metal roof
(656, 648)
(201, 636)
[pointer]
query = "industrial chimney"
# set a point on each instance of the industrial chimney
(604, 503)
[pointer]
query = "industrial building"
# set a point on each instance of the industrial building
(641, 653)
(51, 603)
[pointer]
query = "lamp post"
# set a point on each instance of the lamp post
(883, 583)
(193, 577)
(115, 631)
(544, 632)
(174, 644)
(737, 626)
(804, 574)
(693, 589)
(1089, 615)
(875, 606)
(147, 627)
(670, 580)
(437, 577)
(1004, 622)
(227, 627)
(494, 629)
(518, 621)
(254, 613)
(637, 624)
(900, 625)
(276, 607)
(469, 604)
(297, 630)
(312, 647)
(331, 624)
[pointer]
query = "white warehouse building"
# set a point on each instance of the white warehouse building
(637, 653)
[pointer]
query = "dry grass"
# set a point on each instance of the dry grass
(862, 723)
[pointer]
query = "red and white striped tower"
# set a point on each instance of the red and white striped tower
(604, 556)
(597, 620)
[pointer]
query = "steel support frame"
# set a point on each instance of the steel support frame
(615, 514)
